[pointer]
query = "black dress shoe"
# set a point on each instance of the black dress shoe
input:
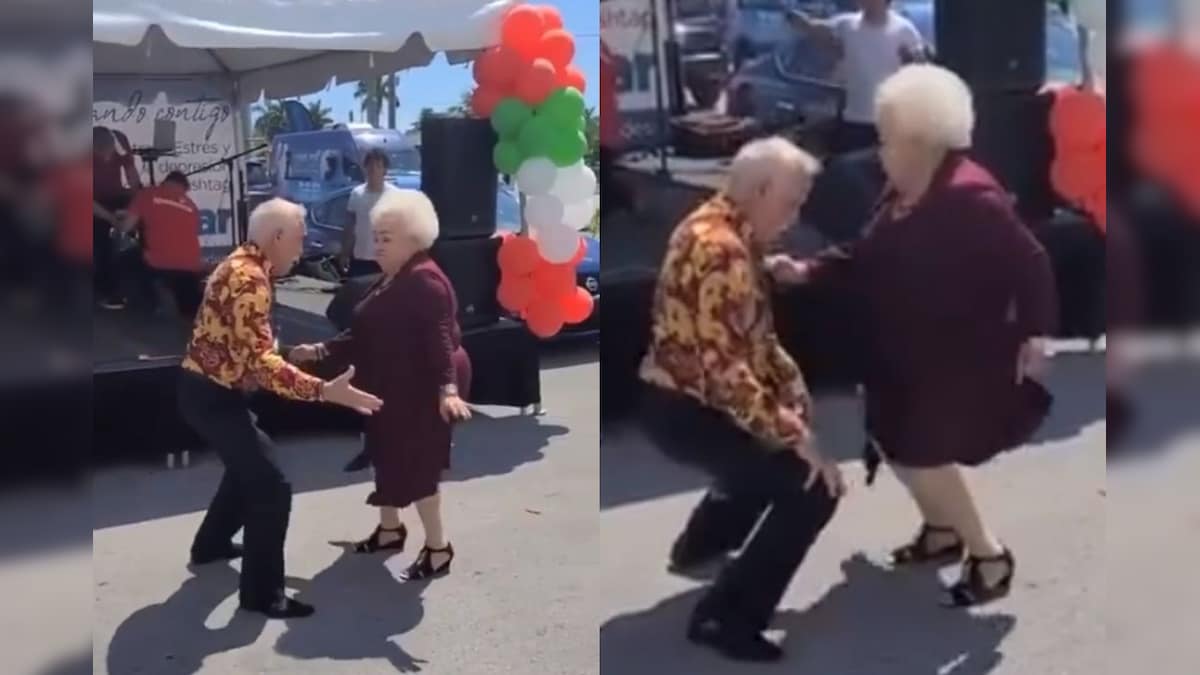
(361, 462)
(233, 552)
(738, 644)
(286, 608)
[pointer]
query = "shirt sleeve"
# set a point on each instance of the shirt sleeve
(437, 319)
(910, 37)
(1022, 259)
(255, 343)
(137, 208)
(725, 299)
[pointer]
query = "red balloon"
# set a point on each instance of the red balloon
(484, 100)
(497, 67)
(515, 293)
(558, 47)
(572, 77)
(537, 82)
(544, 318)
(551, 282)
(577, 307)
(522, 30)
(519, 256)
(551, 19)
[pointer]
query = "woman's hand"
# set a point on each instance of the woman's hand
(1032, 359)
(304, 353)
(454, 409)
(786, 269)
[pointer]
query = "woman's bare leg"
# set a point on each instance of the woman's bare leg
(945, 489)
(389, 519)
(931, 511)
(430, 511)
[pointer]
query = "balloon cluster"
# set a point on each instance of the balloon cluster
(533, 95)
(542, 293)
(1166, 100)
(1078, 122)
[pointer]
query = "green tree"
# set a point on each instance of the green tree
(270, 120)
(373, 94)
(416, 125)
(321, 115)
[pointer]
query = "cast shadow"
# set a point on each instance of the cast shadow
(874, 621)
(1077, 382)
(362, 609)
(171, 638)
(1163, 400)
(495, 446)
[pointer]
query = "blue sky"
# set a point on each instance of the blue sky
(440, 85)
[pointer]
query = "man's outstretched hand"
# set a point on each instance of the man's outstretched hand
(340, 391)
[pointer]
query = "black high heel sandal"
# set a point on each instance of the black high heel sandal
(422, 567)
(973, 589)
(917, 552)
(371, 544)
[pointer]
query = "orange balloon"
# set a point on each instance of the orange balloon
(515, 293)
(537, 82)
(552, 282)
(551, 18)
(577, 307)
(544, 318)
(572, 77)
(518, 256)
(484, 100)
(521, 30)
(497, 68)
(558, 47)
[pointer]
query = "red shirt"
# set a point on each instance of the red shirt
(170, 227)
(610, 122)
(71, 186)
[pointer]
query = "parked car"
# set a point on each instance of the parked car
(328, 217)
(797, 81)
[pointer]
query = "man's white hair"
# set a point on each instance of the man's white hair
(271, 217)
(413, 211)
(930, 104)
(762, 160)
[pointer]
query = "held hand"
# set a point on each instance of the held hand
(786, 269)
(339, 391)
(454, 409)
(1032, 359)
(304, 354)
(821, 468)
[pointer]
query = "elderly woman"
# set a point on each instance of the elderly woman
(406, 344)
(956, 295)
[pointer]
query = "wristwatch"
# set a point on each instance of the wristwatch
(449, 390)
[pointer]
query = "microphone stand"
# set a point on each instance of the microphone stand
(238, 235)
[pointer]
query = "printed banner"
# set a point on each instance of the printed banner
(626, 31)
(204, 133)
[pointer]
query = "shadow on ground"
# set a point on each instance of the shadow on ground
(874, 622)
(362, 611)
(485, 446)
(1163, 397)
(171, 638)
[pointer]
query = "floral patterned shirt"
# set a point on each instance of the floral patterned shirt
(713, 334)
(232, 343)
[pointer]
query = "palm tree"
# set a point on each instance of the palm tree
(415, 127)
(591, 130)
(271, 119)
(373, 93)
(321, 116)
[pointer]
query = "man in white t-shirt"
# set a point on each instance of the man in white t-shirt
(358, 248)
(873, 44)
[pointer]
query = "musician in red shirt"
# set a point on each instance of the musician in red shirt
(169, 224)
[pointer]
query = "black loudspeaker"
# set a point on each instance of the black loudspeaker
(993, 44)
(1012, 140)
(458, 174)
(473, 269)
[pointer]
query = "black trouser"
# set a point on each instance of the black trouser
(853, 136)
(614, 196)
(185, 287)
(253, 493)
(104, 256)
(751, 478)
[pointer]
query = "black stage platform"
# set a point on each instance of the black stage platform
(136, 363)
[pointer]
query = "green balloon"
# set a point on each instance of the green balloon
(564, 106)
(536, 136)
(567, 147)
(507, 157)
(508, 117)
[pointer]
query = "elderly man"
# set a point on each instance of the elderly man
(231, 353)
(724, 396)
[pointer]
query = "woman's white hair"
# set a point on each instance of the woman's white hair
(762, 160)
(928, 103)
(413, 211)
(271, 217)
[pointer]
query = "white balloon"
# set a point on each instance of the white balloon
(574, 183)
(557, 243)
(578, 215)
(536, 176)
(545, 211)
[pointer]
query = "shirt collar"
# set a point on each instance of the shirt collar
(727, 212)
(254, 252)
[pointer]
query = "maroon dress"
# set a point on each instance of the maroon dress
(405, 344)
(948, 293)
